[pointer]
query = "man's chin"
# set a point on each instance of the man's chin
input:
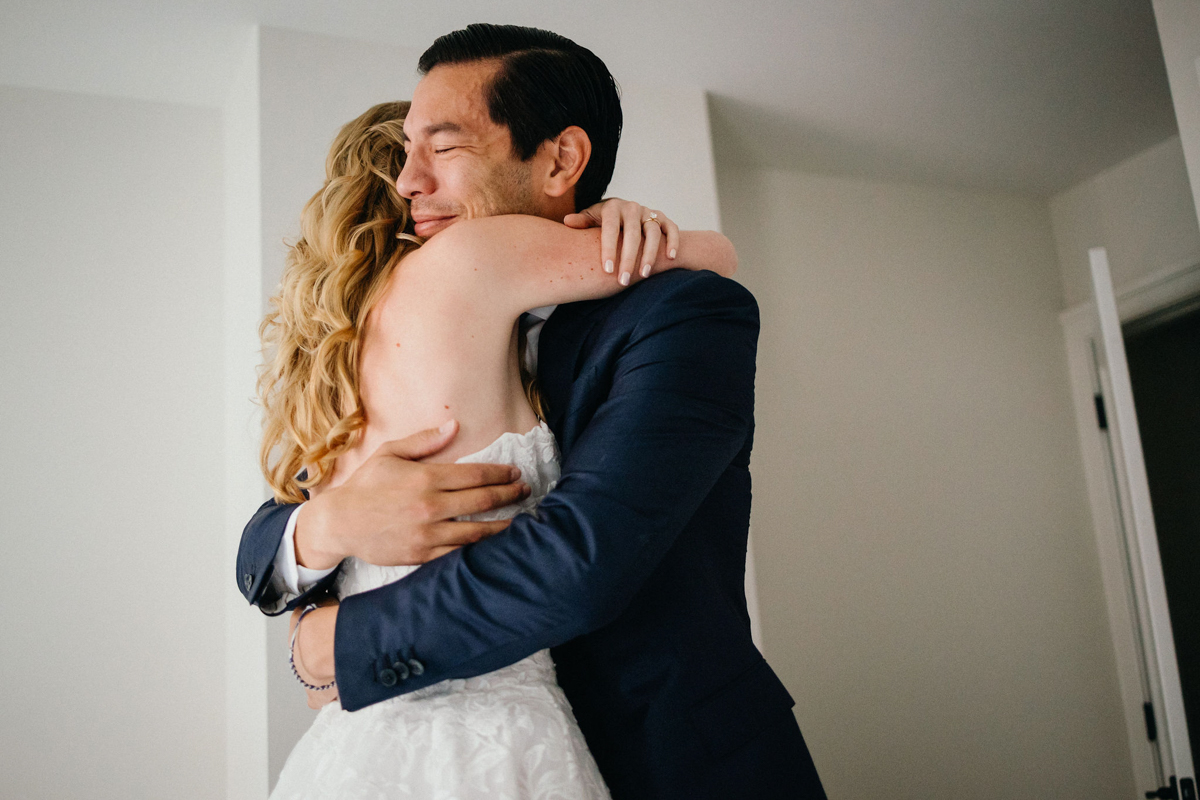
(428, 228)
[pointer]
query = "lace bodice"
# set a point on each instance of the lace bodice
(505, 735)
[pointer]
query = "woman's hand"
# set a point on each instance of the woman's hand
(638, 233)
(313, 653)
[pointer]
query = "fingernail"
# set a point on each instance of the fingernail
(514, 473)
(624, 279)
(526, 489)
(671, 254)
(608, 266)
(646, 271)
(446, 426)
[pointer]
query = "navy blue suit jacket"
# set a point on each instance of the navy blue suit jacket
(633, 570)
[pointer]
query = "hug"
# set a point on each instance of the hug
(508, 426)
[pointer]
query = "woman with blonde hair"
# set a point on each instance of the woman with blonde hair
(375, 335)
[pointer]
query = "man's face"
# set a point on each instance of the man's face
(460, 164)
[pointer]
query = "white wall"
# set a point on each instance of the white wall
(665, 160)
(112, 636)
(929, 580)
(246, 740)
(311, 85)
(1141, 210)
(1179, 32)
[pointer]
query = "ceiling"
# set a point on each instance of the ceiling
(1012, 95)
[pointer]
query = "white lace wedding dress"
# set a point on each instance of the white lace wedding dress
(506, 735)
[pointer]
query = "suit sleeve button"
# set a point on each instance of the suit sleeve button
(416, 666)
(401, 670)
(387, 677)
(247, 581)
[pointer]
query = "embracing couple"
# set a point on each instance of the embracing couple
(510, 459)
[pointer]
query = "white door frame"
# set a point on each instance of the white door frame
(1121, 578)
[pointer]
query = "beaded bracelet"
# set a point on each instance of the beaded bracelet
(292, 653)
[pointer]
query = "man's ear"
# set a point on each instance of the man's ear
(568, 155)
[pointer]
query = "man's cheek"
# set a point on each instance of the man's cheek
(461, 192)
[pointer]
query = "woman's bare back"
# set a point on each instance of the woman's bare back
(441, 343)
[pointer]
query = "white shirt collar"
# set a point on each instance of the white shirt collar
(542, 312)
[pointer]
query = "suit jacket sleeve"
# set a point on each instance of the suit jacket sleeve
(256, 561)
(680, 408)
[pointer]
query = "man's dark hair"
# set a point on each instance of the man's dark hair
(545, 83)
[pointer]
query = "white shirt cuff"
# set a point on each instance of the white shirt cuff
(290, 578)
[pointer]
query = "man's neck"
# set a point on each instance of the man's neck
(555, 208)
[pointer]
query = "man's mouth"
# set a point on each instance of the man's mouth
(427, 226)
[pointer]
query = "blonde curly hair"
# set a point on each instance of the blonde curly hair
(354, 232)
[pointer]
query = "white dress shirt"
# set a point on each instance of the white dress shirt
(290, 579)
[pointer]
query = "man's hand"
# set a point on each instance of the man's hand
(631, 224)
(313, 654)
(396, 511)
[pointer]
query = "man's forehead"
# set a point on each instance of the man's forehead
(450, 99)
(432, 128)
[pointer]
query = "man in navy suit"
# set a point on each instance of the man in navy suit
(633, 570)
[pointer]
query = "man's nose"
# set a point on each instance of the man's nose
(414, 177)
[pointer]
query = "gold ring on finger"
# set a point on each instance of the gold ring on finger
(652, 218)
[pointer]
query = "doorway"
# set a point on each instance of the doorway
(1163, 351)
(1148, 304)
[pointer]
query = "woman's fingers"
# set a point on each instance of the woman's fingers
(654, 234)
(631, 242)
(582, 219)
(318, 700)
(624, 226)
(610, 234)
(672, 232)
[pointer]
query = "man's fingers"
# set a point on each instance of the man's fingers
(484, 498)
(453, 477)
(438, 552)
(420, 444)
(449, 536)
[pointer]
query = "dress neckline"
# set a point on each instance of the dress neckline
(540, 431)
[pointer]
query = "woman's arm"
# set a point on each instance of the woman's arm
(518, 262)
(650, 452)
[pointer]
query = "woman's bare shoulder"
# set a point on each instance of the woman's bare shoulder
(472, 260)
(488, 249)
(473, 237)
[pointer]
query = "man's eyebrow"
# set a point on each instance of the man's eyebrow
(442, 127)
